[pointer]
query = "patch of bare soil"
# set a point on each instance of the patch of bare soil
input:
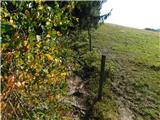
(125, 113)
(77, 96)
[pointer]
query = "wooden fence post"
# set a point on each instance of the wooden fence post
(102, 77)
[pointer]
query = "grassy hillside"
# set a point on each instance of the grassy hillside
(133, 62)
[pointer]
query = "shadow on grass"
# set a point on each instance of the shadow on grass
(93, 80)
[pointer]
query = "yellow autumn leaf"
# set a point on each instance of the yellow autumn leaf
(59, 34)
(63, 74)
(60, 23)
(58, 96)
(49, 57)
(18, 105)
(68, 6)
(51, 98)
(3, 105)
(25, 43)
(28, 46)
(77, 19)
(55, 24)
(40, 7)
(27, 13)
(11, 21)
(38, 45)
(48, 36)
(47, 23)
(56, 60)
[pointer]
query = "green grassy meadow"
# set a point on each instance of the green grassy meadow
(133, 64)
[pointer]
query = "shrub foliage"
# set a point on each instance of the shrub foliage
(38, 53)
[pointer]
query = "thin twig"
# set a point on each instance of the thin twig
(13, 108)
(20, 101)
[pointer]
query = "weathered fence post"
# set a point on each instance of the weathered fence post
(102, 77)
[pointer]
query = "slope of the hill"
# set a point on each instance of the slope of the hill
(133, 63)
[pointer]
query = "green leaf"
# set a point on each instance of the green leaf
(53, 34)
(31, 37)
(6, 27)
